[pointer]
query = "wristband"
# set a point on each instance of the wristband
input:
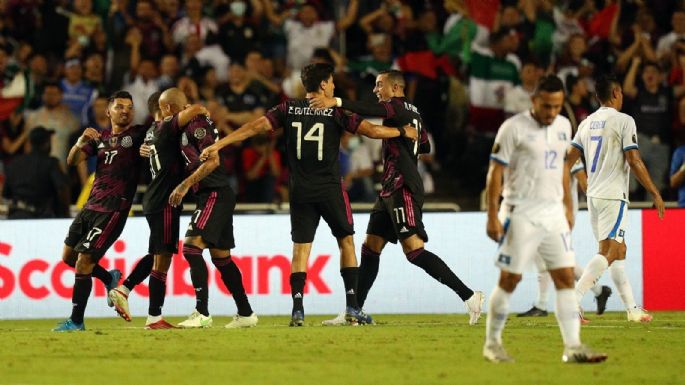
(402, 131)
(682, 167)
(80, 143)
(338, 102)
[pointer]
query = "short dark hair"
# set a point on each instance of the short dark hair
(120, 95)
(571, 81)
(650, 63)
(153, 103)
(549, 83)
(604, 86)
(52, 83)
(315, 73)
(394, 76)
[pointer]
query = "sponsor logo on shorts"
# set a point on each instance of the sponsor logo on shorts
(404, 230)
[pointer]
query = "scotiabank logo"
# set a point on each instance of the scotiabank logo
(263, 274)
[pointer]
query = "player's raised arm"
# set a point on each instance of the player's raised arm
(190, 112)
(640, 170)
(376, 131)
(246, 131)
(83, 146)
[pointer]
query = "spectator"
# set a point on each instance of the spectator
(193, 23)
(77, 94)
(356, 168)
(254, 64)
(197, 55)
(641, 46)
(673, 39)
(82, 22)
(156, 38)
(57, 116)
(650, 105)
(12, 84)
(169, 70)
(678, 172)
(573, 60)
(246, 99)
(13, 136)
(94, 73)
(239, 32)
(518, 99)
(577, 105)
(262, 168)
(142, 77)
(36, 186)
(38, 72)
(208, 85)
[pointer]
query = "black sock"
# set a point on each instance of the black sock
(436, 268)
(103, 275)
(157, 292)
(198, 275)
(82, 286)
(233, 280)
(349, 276)
(368, 270)
(297, 290)
(140, 272)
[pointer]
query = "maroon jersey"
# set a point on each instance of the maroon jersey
(118, 166)
(312, 146)
(197, 135)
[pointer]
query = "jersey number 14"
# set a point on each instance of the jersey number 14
(315, 134)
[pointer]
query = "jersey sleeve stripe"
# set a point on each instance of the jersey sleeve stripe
(500, 161)
(631, 147)
(578, 146)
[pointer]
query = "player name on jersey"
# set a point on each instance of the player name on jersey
(309, 111)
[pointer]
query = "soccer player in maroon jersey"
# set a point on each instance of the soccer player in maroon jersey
(397, 212)
(211, 226)
(161, 147)
(312, 146)
(101, 221)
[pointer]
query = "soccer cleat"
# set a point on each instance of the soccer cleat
(69, 326)
(119, 299)
(116, 276)
(533, 312)
(197, 320)
(496, 353)
(474, 306)
(602, 299)
(357, 317)
(297, 318)
(637, 314)
(339, 320)
(240, 321)
(582, 354)
(158, 325)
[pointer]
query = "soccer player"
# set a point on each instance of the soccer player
(397, 212)
(313, 145)
(602, 293)
(101, 221)
(537, 214)
(211, 225)
(161, 147)
(608, 140)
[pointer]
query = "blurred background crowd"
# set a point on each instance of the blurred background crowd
(469, 65)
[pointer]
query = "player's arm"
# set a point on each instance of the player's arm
(493, 190)
(568, 200)
(199, 174)
(361, 108)
(581, 177)
(190, 112)
(376, 131)
(246, 131)
(77, 153)
(638, 167)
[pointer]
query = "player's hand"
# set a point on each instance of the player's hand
(322, 102)
(209, 152)
(659, 205)
(410, 132)
(177, 195)
(88, 135)
(495, 229)
(145, 151)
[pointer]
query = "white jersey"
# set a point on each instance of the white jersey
(603, 137)
(535, 156)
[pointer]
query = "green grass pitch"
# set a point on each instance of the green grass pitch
(401, 349)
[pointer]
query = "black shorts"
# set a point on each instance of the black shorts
(164, 230)
(304, 217)
(397, 217)
(93, 232)
(213, 218)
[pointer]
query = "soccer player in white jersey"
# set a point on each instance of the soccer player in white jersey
(535, 216)
(608, 140)
(602, 293)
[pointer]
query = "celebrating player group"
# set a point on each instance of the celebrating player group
(529, 198)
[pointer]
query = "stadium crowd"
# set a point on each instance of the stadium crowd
(469, 64)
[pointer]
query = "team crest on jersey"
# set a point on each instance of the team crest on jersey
(113, 141)
(127, 141)
(495, 148)
(184, 139)
(199, 133)
(562, 136)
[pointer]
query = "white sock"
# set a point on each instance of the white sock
(567, 317)
(543, 287)
(498, 309)
(578, 272)
(594, 269)
(625, 290)
(152, 319)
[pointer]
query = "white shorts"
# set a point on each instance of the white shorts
(608, 218)
(545, 244)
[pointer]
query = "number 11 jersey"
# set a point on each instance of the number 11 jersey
(312, 146)
(166, 163)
